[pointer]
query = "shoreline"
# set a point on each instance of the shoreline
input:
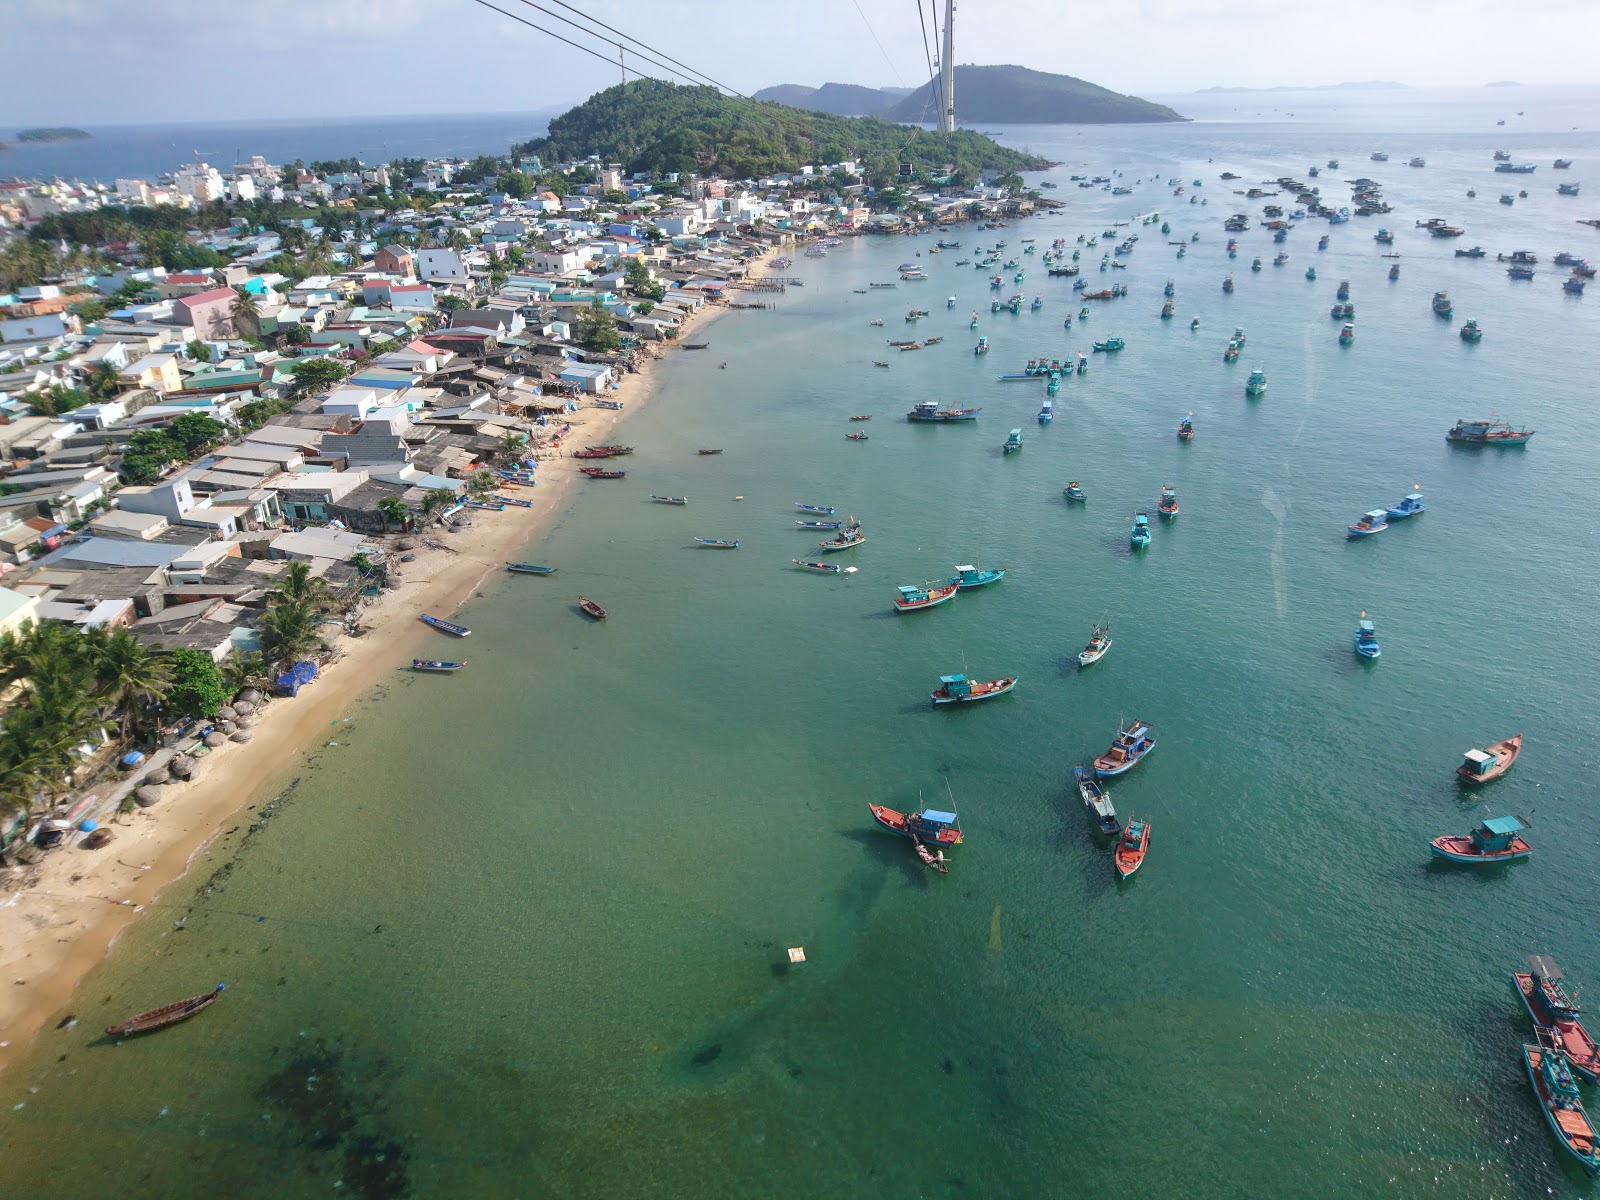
(67, 918)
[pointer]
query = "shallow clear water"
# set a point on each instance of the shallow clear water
(521, 931)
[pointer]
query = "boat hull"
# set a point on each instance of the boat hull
(1506, 751)
(980, 691)
(1532, 1058)
(936, 597)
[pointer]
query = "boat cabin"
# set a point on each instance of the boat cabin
(930, 823)
(1548, 977)
(956, 685)
(1496, 834)
(1481, 762)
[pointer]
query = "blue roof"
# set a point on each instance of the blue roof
(940, 818)
(1503, 825)
(952, 679)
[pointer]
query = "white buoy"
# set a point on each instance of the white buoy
(797, 954)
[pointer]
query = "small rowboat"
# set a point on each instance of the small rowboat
(718, 450)
(530, 569)
(819, 524)
(825, 509)
(1132, 847)
(718, 543)
(670, 499)
(958, 689)
(167, 1014)
(444, 626)
(826, 568)
(590, 608)
(1484, 765)
(861, 416)
(928, 857)
(856, 437)
(435, 664)
(599, 473)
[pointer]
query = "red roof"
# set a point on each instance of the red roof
(211, 297)
(189, 277)
(422, 347)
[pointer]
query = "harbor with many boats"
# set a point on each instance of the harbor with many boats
(567, 856)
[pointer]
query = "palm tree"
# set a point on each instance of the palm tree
(290, 630)
(246, 312)
(241, 669)
(394, 511)
(102, 381)
(128, 675)
(457, 240)
(435, 499)
(511, 445)
(300, 587)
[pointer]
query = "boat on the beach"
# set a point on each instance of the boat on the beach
(1074, 493)
(444, 626)
(967, 576)
(1549, 1071)
(929, 411)
(167, 1014)
(825, 568)
(1491, 432)
(1544, 993)
(1408, 506)
(958, 689)
(1370, 523)
(670, 499)
(1099, 645)
(1097, 800)
(1132, 847)
(1127, 750)
(590, 608)
(1013, 442)
(1495, 840)
(437, 665)
(602, 473)
(529, 569)
(718, 543)
(825, 509)
(1367, 638)
(914, 599)
(1481, 766)
(1139, 535)
(940, 829)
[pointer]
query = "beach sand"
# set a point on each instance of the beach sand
(74, 904)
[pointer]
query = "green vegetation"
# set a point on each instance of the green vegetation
(653, 126)
(596, 329)
(147, 456)
(640, 283)
(198, 687)
(313, 374)
(1018, 96)
(54, 133)
(292, 626)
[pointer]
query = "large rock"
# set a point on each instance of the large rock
(246, 722)
(145, 797)
(244, 735)
(215, 739)
(226, 726)
(405, 544)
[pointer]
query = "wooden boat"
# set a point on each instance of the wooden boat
(1097, 800)
(825, 509)
(819, 524)
(827, 568)
(1543, 990)
(612, 451)
(856, 437)
(939, 829)
(1490, 432)
(1013, 442)
(1075, 493)
(1483, 765)
(1139, 535)
(167, 1014)
(933, 341)
(1167, 502)
(1186, 428)
(718, 543)
(696, 345)
(1132, 847)
(930, 858)
(861, 416)
(1132, 743)
(591, 608)
(529, 569)
(444, 626)
(847, 540)
(1370, 523)
(599, 473)
(718, 450)
(958, 689)
(1557, 1093)
(1367, 638)
(435, 664)
(1099, 645)
(670, 499)
(967, 576)
(1497, 839)
(913, 599)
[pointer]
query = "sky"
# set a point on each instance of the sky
(87, 62)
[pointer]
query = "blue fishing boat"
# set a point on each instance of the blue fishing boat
(819, 524)
(1256, 385)
(1311, 274)
(1047, 409)
(1496, 840)
(1373, 522)
(939, 829)
(983, 344)
(444, 626)
(1367, 638)
(1074, 493)
(718, 543)
(971, 577)
(1127, 751)
(1098, 801)
(1038, 302)
(1557, 1093)
(1410, 506)
(958, 689)
(1139, 535)
(1013, 442)
(435, 665)
(1544, 993)
(1111, 345)
(824, 509)
(929, 411)
(529, 569)
(913, 599)
(1347, 335)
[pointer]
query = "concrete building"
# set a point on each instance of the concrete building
(209, 313)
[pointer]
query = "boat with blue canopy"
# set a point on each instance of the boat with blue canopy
(971, 577)
(1544, 993)
(1410, 506)
(958, 689)
(1498, 839)
(1367, 638)
(939, 829)
(1132, 743)
(1557, 1092)
(1013, 442)
(1074, 493)
(1373, 522)
(913, 599)
(1139, 535)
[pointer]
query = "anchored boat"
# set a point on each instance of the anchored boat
(825, 568)
(912, 599)
(529, 569)
(435, 665)
(958, 689)
(591, 609)
(670, 499)
(1186, 428)
(1496, 840)
(1167, 502)
(1491, 432)
(1013, 442)
(1557, 1093)
(1256, 385)
(1099, 645)
(1373, 522)
(718, 543)
(167, 1014)
(1127, 751)
(1544, 993)
(1367, 638)
(1481, 766)
(1131, 849)
(824, 509)
(1139, 535)
(940, 829)
(1409, 506)
(929, 411)
(444, 626)
(1074, 493)
(1097, 800)
(971, 577)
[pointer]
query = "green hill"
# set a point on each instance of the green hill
(654, 126)
(1020, 96)
(841, 99)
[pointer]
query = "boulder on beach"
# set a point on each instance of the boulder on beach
(157, 777)
(244, 706)
(244, 735)
(226, 713)
(215, 739)
(247, 695)
(405, 544)
(145, 797)
(100, 837)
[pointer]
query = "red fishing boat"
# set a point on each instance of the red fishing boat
(1543, 990)
(939, 829)
(1132, 847)
(591, 608)
(1484, 765)
(595, 452)
(600, 473)
(914, 598)
(167, 1014)
(958, 689)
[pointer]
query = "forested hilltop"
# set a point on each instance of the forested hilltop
(652, 126)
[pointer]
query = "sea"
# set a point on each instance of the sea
(525, 931)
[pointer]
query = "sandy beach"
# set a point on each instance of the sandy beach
(73, 905)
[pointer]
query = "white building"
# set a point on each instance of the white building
(243, 187)
(199, 181)
(134, 191)
(438, 262)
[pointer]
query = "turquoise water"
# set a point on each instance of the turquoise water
(521, 932)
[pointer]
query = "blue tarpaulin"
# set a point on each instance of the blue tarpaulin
(295, 678)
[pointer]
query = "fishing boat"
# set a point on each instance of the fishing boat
(856, 437)
(1013, 442)
(914, 599)
(167, 1014)
(940, 829)
(1169, 310)
(437, 665)
(1505, 168)
(1047, 409)
(1408, 506)
(1311, 274)
(1322, 242)
(968, 576)
(1074, 493)
(982, 347)
(1573, 286)
(1110, 345)
(1394, 271)
(717, 450)
(590, 608)
(1255, 264)
(1280, 258)
(1256, 385)
(1347, 334)
(826, 568)
(1471, 332)
(1131, 848)
(612, 451)
(1099, 645)
(1442, 305)
(1230, 352)
(1481, 766)
(1543, 990)
(928, 411)
(1367, 638)
(1227, 284)
(1139, 535)
(1561, 164)
(847, 540)
(718, 543)
(1520, 272)
(958, 689)
(529, 569)
(444, 626)
(1491, 432)
(1566, 189)
(1098, 801)
(819, 524)
(1495, 840)
(1370, 523)
(1186, 428)
(601, 473)
(679, 500)
(1167, 502)
(1549, 1070)
(824, 509)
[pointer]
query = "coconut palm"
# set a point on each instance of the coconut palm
(240, 670)
(394, 511)
(289, 631)
(300, 586)
(246, 312)
(129, 676)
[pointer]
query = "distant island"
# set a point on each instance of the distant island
(1000, 95)
(1370, 85)
(56, 133)
(651, 126)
